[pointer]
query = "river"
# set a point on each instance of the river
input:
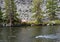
(28, 34)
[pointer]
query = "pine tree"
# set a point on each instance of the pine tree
(1, 15)
(37, 10)
(11, 13)
(51, 9)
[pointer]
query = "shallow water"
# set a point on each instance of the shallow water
(28, 34)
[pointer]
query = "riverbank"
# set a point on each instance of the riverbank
(21, 25)
(32, 23)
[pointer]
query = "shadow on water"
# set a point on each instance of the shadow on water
(30, 34)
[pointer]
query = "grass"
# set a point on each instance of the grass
(57, 22)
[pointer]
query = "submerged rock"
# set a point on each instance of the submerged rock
(48, 36)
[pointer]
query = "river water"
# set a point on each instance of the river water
(28, 34)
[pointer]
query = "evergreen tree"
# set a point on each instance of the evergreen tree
(1, 15)
(51, 9)
(37, 10)
(11, 13)
(58, 9)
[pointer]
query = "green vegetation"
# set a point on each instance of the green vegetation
(11, 13)
(1, 15)
(51, 9)
(37, 10)
(10, 16)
